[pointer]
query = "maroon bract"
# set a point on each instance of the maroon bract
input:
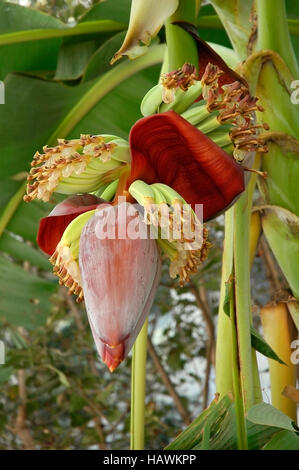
(51, 228)
(165, 148)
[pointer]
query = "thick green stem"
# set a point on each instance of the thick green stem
(224, 380)
(186, 11)
(251, 389)
(273, 31)
(250, 190)
(236, 247)
(240, 417)
(242, 291)
(181, 46)
(138, 380)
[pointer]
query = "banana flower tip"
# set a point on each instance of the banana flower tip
(113, 355)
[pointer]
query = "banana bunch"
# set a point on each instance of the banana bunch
(178, 229)
(153, 101)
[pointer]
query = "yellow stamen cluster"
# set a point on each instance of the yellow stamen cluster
(237, 107)
(66, 159)
(181, 235)
(181, 79)
(66, 267)
(211, 74)
(187, 261)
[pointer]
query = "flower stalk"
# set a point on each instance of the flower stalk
(180, 45)
(224, 353)
(238, 255)
(243, 301)
(138, 383)
(273, 31)
(237, 386)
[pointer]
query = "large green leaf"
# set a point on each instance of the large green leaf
(210, 27)
(215, 429)
(116, 10)
(76, 51)
(31, 40)
(235, 17)
(225, 438)
(33, 55)
(281, 228)
(35, 109)
(31, 113)
(280, 188)
(292, 7)
(26, 218)
(284, 440)
(193, 435)
(100, 61)
(22, 251)
(24, 297)
(14, 18)
(75, 54)
(267, 415)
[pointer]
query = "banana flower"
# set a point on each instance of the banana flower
(168, 165)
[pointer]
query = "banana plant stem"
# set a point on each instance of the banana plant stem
(254, 236)
(180, 45)
(273, 31)
(242, 297)
(186, 11)
(138, 382)
(239, 408)
(236, 255)
(224, 380)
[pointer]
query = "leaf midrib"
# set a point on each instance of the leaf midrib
(88, 27)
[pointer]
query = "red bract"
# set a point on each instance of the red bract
(166, 148)
(119, 278)
(51, 228)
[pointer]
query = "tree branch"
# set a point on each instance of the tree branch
(167, 382)
(20, 427)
